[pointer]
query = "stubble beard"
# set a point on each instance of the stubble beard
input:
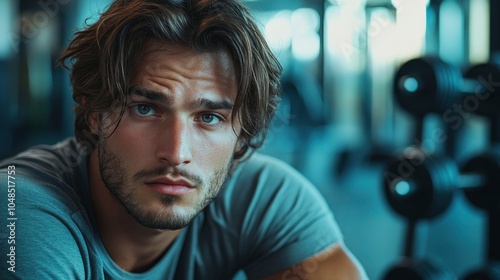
(114, 176)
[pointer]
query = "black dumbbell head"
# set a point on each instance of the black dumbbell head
(427, 85)
(489, 272)
(408, 269)
(487, 195)
(486, 93)
(419, 186)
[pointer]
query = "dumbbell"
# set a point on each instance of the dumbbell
(487, 196)
(418, 185)
(490, 272)
(430, 85)
(486, 80)
(487, 199)
(409, 269)
(421, 186)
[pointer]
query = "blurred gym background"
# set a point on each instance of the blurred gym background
(339, 122)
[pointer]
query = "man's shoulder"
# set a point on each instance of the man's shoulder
(64, 155)
(42, 161)
(49, 172)
(273, 214)
(271, 174)
(263, 180)
(48, 210)
(267, 167)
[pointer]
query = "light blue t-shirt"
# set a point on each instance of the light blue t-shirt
(266, 218)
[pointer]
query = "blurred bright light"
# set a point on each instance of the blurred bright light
(382, 36)
(278, 31)
(305, 20)
(343, 29)
(296, 31)
(348, 31)
(411, 24)
(306, 47)
(305, 38)
(350, 4)
(399, 4)
(479, 31)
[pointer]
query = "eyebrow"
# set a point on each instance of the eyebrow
(150, 94)
(213, 105)
(204, 103)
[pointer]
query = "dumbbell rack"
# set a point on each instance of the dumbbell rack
(429, 85)
(421, 194)
(487, 199)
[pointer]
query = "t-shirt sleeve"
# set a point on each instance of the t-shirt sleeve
(42, 239)
(287, 220)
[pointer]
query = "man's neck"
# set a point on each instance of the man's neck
(132, 246)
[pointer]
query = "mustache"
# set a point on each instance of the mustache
(164, 170)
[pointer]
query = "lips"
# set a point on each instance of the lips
(171, 187)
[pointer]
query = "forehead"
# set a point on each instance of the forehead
(161, 57)
(171, 68)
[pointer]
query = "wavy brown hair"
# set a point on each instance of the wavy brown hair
(102, 57)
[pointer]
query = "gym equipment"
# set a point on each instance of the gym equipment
(486, 81)
(426, 84)
(408, 269)
(487, 198)
(430, 85)
(490, 272)
(419, 186)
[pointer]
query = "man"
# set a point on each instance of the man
(162, 182)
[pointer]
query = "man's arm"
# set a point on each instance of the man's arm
(334, 263)
(288, 226)
(43, 242)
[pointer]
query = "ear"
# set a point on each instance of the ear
(239, 144)
(238, 150)
(94, 123)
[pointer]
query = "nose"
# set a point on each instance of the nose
(174, 143)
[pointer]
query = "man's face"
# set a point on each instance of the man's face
(173, 147)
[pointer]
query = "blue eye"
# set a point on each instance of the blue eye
(143, 110)
(210, 119)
